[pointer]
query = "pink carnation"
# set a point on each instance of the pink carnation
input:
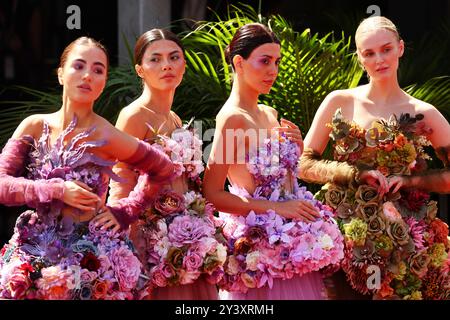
(126, 267)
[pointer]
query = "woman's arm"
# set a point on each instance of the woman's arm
(431, 180)
(129, 121)
(155, 169)
(312, 168)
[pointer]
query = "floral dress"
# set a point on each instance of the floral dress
(51, 256)
(395, 246)
(269, 256)
(179, 239)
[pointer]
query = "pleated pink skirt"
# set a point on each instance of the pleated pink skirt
(199, 290)
(307, 287)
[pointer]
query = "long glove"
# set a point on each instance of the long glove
(314, 169)
(16, 190)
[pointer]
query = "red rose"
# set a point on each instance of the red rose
(169, 202)
(90, 262)
(26, 267)
(414, 200)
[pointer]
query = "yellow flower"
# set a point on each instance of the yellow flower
(415, 295)
(401, 271)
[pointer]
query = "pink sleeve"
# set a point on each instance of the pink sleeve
(16, 190)
(156, 170)
(152, 161)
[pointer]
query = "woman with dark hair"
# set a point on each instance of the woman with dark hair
(396, 247)
(278, 237)
(70, 246)
(175, 239)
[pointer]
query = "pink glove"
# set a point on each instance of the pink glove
(16, 190)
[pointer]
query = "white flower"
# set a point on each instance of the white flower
(326, 242)
(162, 228)
(189, 197)
(162, 246)
(252, 260)
(233, 265)
(221, 253)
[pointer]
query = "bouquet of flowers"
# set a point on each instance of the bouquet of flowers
(182, 235)
(262, 247)
(183, 240)
(185, 150)
(395, 146)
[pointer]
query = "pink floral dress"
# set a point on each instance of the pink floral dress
(269, 256)
(178, 239)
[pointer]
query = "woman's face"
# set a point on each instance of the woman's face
(260, 69)
(379, 51)
(84, 73)
(162, 65)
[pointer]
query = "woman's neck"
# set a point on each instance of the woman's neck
(244, 96)
(159, 101)
(385, 93)
(83, 111)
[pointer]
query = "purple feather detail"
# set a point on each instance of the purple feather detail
(78, 137)
(70, 162)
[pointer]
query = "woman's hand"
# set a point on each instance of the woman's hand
(375, 179)
(396, 182)
(78, 195)
(106, 220)
(292, 132)
(297, 209)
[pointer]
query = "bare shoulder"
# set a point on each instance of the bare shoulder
(269, 110)
(342, 97)
(131, 112)
(31, 125)
(230, 117)
(337, 99)
(177, 118)
(422, 106)
(133, 119)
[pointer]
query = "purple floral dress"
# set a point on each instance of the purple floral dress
(269, 256)
(52, 257)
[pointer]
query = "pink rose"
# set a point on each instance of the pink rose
(192, 261)
(167, 271)
(158, 278)
(188, 277)
(18, 285)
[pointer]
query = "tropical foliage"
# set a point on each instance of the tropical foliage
(311, 67)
